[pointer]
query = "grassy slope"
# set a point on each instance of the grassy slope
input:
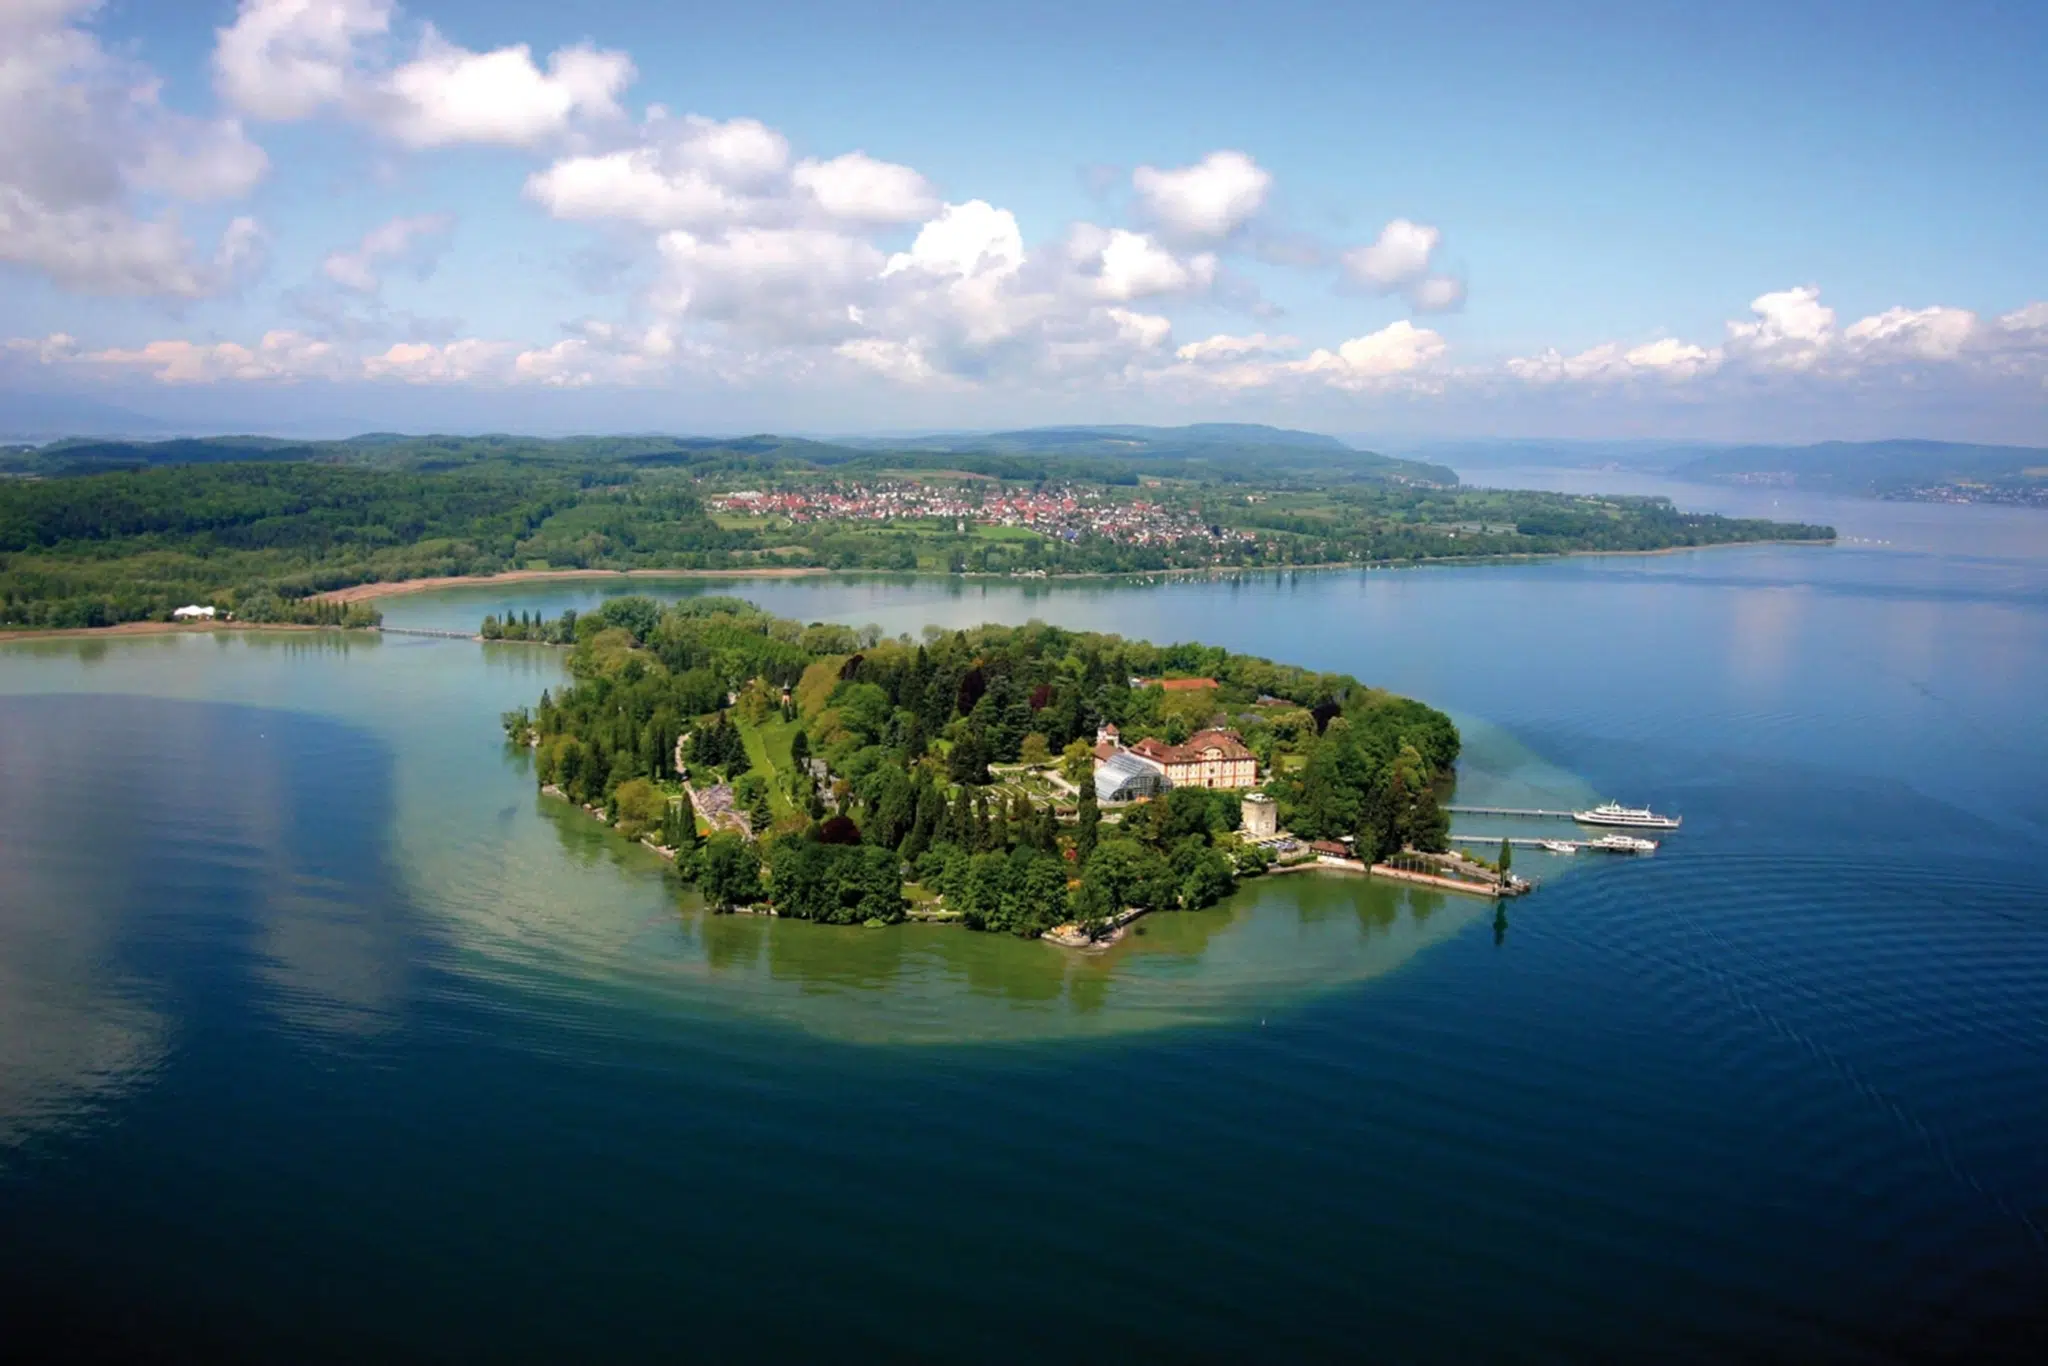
(768, 751)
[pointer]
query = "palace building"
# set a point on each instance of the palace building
(1209, 758)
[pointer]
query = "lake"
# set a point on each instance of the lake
(323, 1037)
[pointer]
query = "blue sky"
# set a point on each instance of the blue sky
(1740, 221)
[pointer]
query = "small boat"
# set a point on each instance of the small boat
(1559, 846)
(1622, 844)
(1614, 813)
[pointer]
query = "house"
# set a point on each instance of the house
(194, 612)
(1336, 855)
(1210, 758)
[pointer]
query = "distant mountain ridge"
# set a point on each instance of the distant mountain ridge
(1217, 452)
(1874, 467)
(1226, 450)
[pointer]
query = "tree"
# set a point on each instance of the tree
(1033, 751)
(729, 872)
(968, 762)
(1089, 828)
(1077, 761)
(679, 828)
(760, 815)
(799, 748)
(1210, 880)
(1507, 857)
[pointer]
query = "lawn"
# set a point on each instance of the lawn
(768, 752)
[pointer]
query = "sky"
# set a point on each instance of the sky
(1737, 221)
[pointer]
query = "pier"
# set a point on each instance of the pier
(1511, 811)
(424, 631)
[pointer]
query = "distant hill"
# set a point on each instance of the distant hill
(1227, 452)
(1212, 450)
(43, 417)
(1884, 469)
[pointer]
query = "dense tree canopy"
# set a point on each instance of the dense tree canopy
(908, 732)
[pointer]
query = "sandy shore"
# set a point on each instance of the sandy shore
(363, 592)
(157, 628)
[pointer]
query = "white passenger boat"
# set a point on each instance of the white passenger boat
(1623, 844)
(1560, 846)
(1614, 813)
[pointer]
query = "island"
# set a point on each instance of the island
(93, 534)
(1029, 780)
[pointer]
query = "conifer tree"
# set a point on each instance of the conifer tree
(1088, 831)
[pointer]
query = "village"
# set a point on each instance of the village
(1062, 512)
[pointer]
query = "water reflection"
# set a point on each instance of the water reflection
(1280, 939)
(164, 860)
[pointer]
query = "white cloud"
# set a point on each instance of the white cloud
(773, 284)
(903, 362)
(858, 188)
(689, 172)
(1400, 255)
(1914, 334)
(290, 59)
(632, 185)
(1142, 331)
(280, 356)
(602, 353)
(1436, 294)
(2031, 318)
(84, 137)
(1611, 362)
(449, 94)
(695, 173)
(1209, 200)
(1398, 261)
(287, 59)
(1396, 350)
(1224, 347)
(965, 239)
(457, 362)
(410, 240)
(1131, 265)
(1791, 329)
(1791, 337)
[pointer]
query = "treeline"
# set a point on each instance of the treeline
(908, 730)
(119, 531)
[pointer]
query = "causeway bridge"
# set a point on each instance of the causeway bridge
(424, 631)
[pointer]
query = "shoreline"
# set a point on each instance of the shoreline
(162, 628)
(364, 592)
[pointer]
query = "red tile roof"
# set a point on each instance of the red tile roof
(1227, 742)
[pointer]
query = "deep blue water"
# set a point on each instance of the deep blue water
(273, 1083)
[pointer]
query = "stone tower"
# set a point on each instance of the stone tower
(1261, 816)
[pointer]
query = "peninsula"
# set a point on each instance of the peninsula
(1031, 780)
(97, 533)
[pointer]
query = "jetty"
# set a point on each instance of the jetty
(1537, 812)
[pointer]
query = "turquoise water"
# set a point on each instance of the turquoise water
(322, 1037)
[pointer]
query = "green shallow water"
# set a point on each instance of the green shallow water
(532, 893)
